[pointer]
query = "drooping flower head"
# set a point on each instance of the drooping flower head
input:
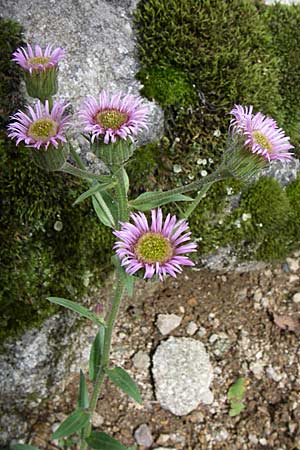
(113, 117)
(35, 60)
(261, 134)
(40, 127)
(155, 249)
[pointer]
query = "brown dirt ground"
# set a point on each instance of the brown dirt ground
(236, 307)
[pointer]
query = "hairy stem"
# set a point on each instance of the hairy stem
(118, 293)
(121, 189)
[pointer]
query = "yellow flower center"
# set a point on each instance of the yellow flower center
(261, 140)
(39, 60)
(111, 118)
(153, 247)
(43, 129)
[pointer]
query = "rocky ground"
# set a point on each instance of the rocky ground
(241, 323)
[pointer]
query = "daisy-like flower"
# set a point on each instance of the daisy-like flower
(36, 60)
(40, 127)
(155, 249)
(113, 117)
(261, 134)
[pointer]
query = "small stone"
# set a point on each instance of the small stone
(164, 448)
(201, 332)
(253, 439)
(141, 360)
(97, 420)
(257, 295)
(213, 338)
(191, 328)
(143, 436)
(163, 439)
(293, 278)
(263, 441)
(275, 376)
(167, 322)
(293, 264)
(192, 301)
(296, 297)
(257, 368)
(292, 427)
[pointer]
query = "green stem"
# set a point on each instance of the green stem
(105, 358)
(121, 188)
(193, 205)
(77, 158)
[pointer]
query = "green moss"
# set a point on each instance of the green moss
(168, 86)
(284, 23)
(10, 98)
(36, 260)
(293, 194)
(226, 50)
(233, 52)
(264, 216)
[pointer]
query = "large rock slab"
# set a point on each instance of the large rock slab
(182, 374)
(100, 43)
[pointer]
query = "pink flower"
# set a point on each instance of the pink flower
(155, 249)
(35, 60)
(40, 127)
(113, 117)
(261, 134)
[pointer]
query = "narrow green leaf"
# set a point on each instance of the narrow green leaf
(96, 188)
(83, 395)
(126, 180)
(103, 441)
(73, 424)
(79, 309)
(149, 200)
(102, 215)
(96, 353)
(123, 380)
(24, 447)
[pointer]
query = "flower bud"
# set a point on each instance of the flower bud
(113, 153)
(51, 158)
(41, 84)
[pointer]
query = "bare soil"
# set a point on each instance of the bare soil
(234, 312)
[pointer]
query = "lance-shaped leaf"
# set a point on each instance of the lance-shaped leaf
(127, 279)
(73, 424)
(96, 354)
(24, 447)
(102, 211)
(150, 200)
(83, 395)
(96, 188)
(103, 441)
(79, 309)
(123, 380)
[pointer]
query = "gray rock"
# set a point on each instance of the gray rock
(293, 264)
(182, 374)
(100, 44)
(141, 360)
(296, 297)
(143, 436)
(40, 359)
(167, 322)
